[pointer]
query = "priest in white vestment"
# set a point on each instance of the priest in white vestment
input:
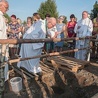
(83, 28)
(36, 31)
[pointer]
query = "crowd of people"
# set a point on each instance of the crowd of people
(50, 27)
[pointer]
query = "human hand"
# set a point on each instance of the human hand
(56, 33)
(13, 31)
(87, 37)
(76, 38)
(78, 27)
(95, 25)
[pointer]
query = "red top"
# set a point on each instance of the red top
(70, 29)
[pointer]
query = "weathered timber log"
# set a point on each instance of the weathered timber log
(44, 69)
(57, 65)
(23, 71)
(45, 55)
(29, 73)
(48, 67)
(27, 85)
(72, 60)
(59, 62)
(66, 68)
(68, 61)
(17, 41)
(64, 62)
(76, 60)
(18, 71)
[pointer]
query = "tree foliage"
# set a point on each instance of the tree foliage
(48, 7)
(7, 16)
(95, 10)
(65, 20)
(24, 23)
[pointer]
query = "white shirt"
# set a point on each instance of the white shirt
(52, 31)
(3, 34)
(86, 28)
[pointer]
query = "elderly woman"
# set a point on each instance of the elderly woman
(14, 29)
(60, 33)
(28, 25)
(52, 32)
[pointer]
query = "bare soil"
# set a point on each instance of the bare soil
(59, 84)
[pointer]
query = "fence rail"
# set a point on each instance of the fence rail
(18, 41)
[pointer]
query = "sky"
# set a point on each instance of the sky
(24, 8)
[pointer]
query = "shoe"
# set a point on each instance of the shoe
(39, 73)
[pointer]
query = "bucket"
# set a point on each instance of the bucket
(16, 84)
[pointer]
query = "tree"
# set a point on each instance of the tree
(48, 7)
(65, 20)
(95, 10)
(24, 23)
(7, 16)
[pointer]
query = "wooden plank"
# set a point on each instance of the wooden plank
(64, 59)
(63, 62)
(46, 67)
(62, 67)
(45, 70)
(59, 62)
(73, 59)
(18, 71)
(27, 86)
(43, 64)
(23, 71)
(70, 61)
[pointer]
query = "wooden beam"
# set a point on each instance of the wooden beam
(45, 55)
(17, 41)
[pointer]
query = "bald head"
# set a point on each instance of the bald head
(52, 20)
(4, 6)
(4, 2)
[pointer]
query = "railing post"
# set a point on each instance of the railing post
(2, 77)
